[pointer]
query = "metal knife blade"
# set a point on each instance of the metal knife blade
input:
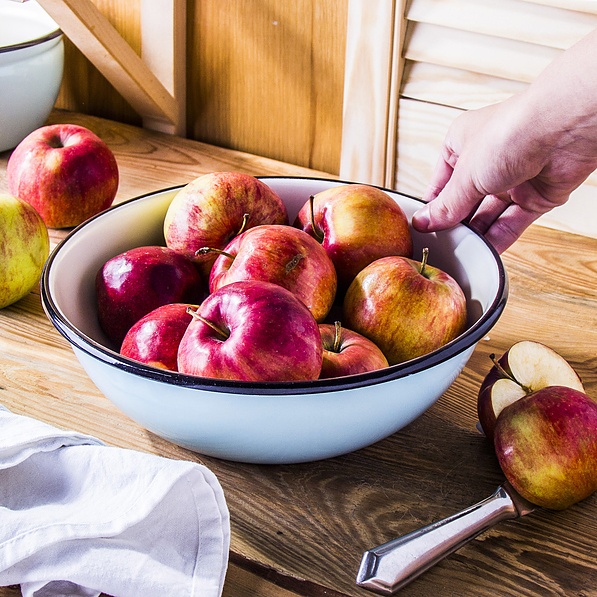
(389, 567)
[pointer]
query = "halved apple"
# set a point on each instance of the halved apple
(523, 369)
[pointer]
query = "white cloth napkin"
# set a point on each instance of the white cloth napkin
(80, 518)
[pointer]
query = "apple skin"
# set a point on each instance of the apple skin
(210, 212)
(24, 248)
(347, 353)
(407, 314)
(282, 255)
(546, 444)
(267, 335)
(154, 339)
(66, 172)
(524, 368)
(356, 225)
(137, 281)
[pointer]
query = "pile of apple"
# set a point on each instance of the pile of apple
(533, 407)
(239, 293)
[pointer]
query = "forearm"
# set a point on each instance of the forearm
(560, 106)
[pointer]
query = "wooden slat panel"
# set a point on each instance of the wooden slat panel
(422, 129)
(510, 19)
(589, 6)
(455, 87)
(477, 53)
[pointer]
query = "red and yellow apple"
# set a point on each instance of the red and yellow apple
(524, 368)
(408, 308)
(356, 224)
(214, 208)
(24, 248)
(347, 353)
(546, 445)
(282, 255)
(252, 331)
(66, 172)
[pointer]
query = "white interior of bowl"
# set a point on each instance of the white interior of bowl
(458, 251)
(22, 22)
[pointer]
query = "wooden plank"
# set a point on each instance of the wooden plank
(509, 19)
(101, 43)
(455, 87)
(499, 57)
(304, 526)
(367, 87)
(588, 6)
(164, 44)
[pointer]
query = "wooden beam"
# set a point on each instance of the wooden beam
(100, 42)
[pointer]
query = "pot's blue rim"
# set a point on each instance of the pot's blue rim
(96, 350)
(32, 42)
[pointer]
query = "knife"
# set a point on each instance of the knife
(389, 567)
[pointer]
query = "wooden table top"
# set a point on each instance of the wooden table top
(301, 529)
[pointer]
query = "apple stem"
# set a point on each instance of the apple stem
(243, 225)
(337, 336)
(214, 327)
(208, 250)
(294, 262)
(424, 261)
(505, 374)
(316, 231)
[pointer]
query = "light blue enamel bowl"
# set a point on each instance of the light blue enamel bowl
(266, 423)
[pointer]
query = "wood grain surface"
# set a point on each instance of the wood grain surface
(301, 529)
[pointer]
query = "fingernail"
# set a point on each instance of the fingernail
(421, 219)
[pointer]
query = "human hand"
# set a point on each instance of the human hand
(501, 168)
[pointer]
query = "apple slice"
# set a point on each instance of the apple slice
(525, 368)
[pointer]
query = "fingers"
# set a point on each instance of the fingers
(508, 227)
(454, 203)
(440, 177)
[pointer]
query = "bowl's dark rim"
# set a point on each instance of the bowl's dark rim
(94, 349)
(32, 42)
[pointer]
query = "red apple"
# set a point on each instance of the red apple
(66, 172)
(24, 248)
(546, 444)
(356, 224)
(347, 353)
(282, 255)
(252, 331)
(408, 308)
(135, 282)
(524, 368)
(154, 339)
(214, 208)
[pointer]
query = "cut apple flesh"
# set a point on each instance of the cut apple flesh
(535, 366)
(505, 392)
(532, 366)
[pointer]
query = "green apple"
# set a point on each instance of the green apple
(24, 248)
(408, 308)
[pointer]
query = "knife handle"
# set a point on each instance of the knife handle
(389, 567)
